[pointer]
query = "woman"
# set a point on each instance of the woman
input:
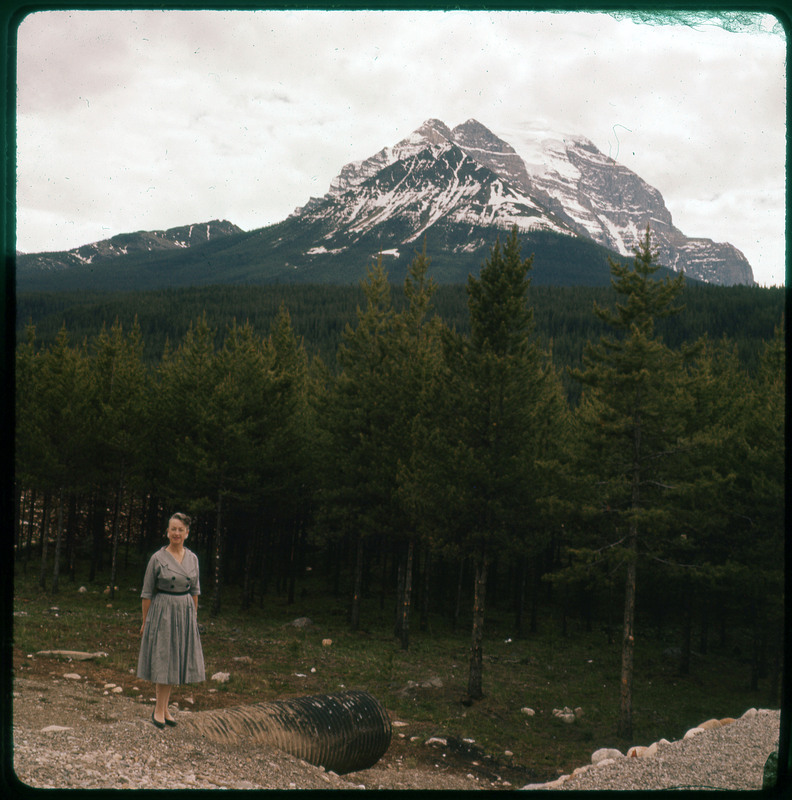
(170, 650)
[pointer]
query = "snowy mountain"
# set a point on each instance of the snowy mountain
(453, 190)
(565, 185)
(124, 244)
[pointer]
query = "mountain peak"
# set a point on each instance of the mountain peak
(435, 131)
(455, 188)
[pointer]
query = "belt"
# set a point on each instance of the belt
(164, 591)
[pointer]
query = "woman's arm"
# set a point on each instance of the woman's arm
(145, 609)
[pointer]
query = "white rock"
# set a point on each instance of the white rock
(605, 752)
(637, 751)
(605, 762)
(221, 677)
(508, 753)
(327, 642)
(118, 689)
(82, 590)
(578, 712)
(54, 729)
(529, 712)
(554, 784)
(437, 740)
(693, 732)
(749, 714)
(72, 676)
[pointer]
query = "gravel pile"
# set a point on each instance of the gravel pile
(728, 757)
(69, 735)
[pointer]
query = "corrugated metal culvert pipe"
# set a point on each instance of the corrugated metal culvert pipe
(342, 732)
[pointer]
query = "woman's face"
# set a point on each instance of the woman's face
(177, 532)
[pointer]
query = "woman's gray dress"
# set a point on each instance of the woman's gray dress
(170, 650)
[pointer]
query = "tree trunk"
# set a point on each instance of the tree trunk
(535, 587)
(687, 632)
(58, 540)
(19, 513)
(247, 572)
(519, 610)
(292, 564)
(426, 599)
(354, 612)
(152, 525)
(44, 535)
(407, 598)
(218, 556)
(400, 559)
(97, 533)
(624, 729)
(704, 629)
(116, 534)
(72, 523)
(476, 662)
(458, 604)
(30, 525)
(127, 541)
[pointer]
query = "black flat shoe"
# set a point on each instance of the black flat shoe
(171, 722)
(159, 725)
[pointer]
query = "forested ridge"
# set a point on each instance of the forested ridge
(319, 313)
(586, 447)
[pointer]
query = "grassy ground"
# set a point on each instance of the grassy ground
(542, 672)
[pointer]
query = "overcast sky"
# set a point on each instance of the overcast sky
(148, 120)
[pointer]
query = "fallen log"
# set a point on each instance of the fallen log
(73, 655)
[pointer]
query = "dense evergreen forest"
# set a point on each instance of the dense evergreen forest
(320, 312)
(614, 453)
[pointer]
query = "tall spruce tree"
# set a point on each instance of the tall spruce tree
(416, 354)
(358, 415)
(497, 386)
(118, 388)
(631, 425)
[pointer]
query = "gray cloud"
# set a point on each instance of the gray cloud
(131, 120)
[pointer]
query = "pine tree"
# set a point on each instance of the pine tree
(498, 382)
(118, 391)
(630, 425)
(358, 475)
